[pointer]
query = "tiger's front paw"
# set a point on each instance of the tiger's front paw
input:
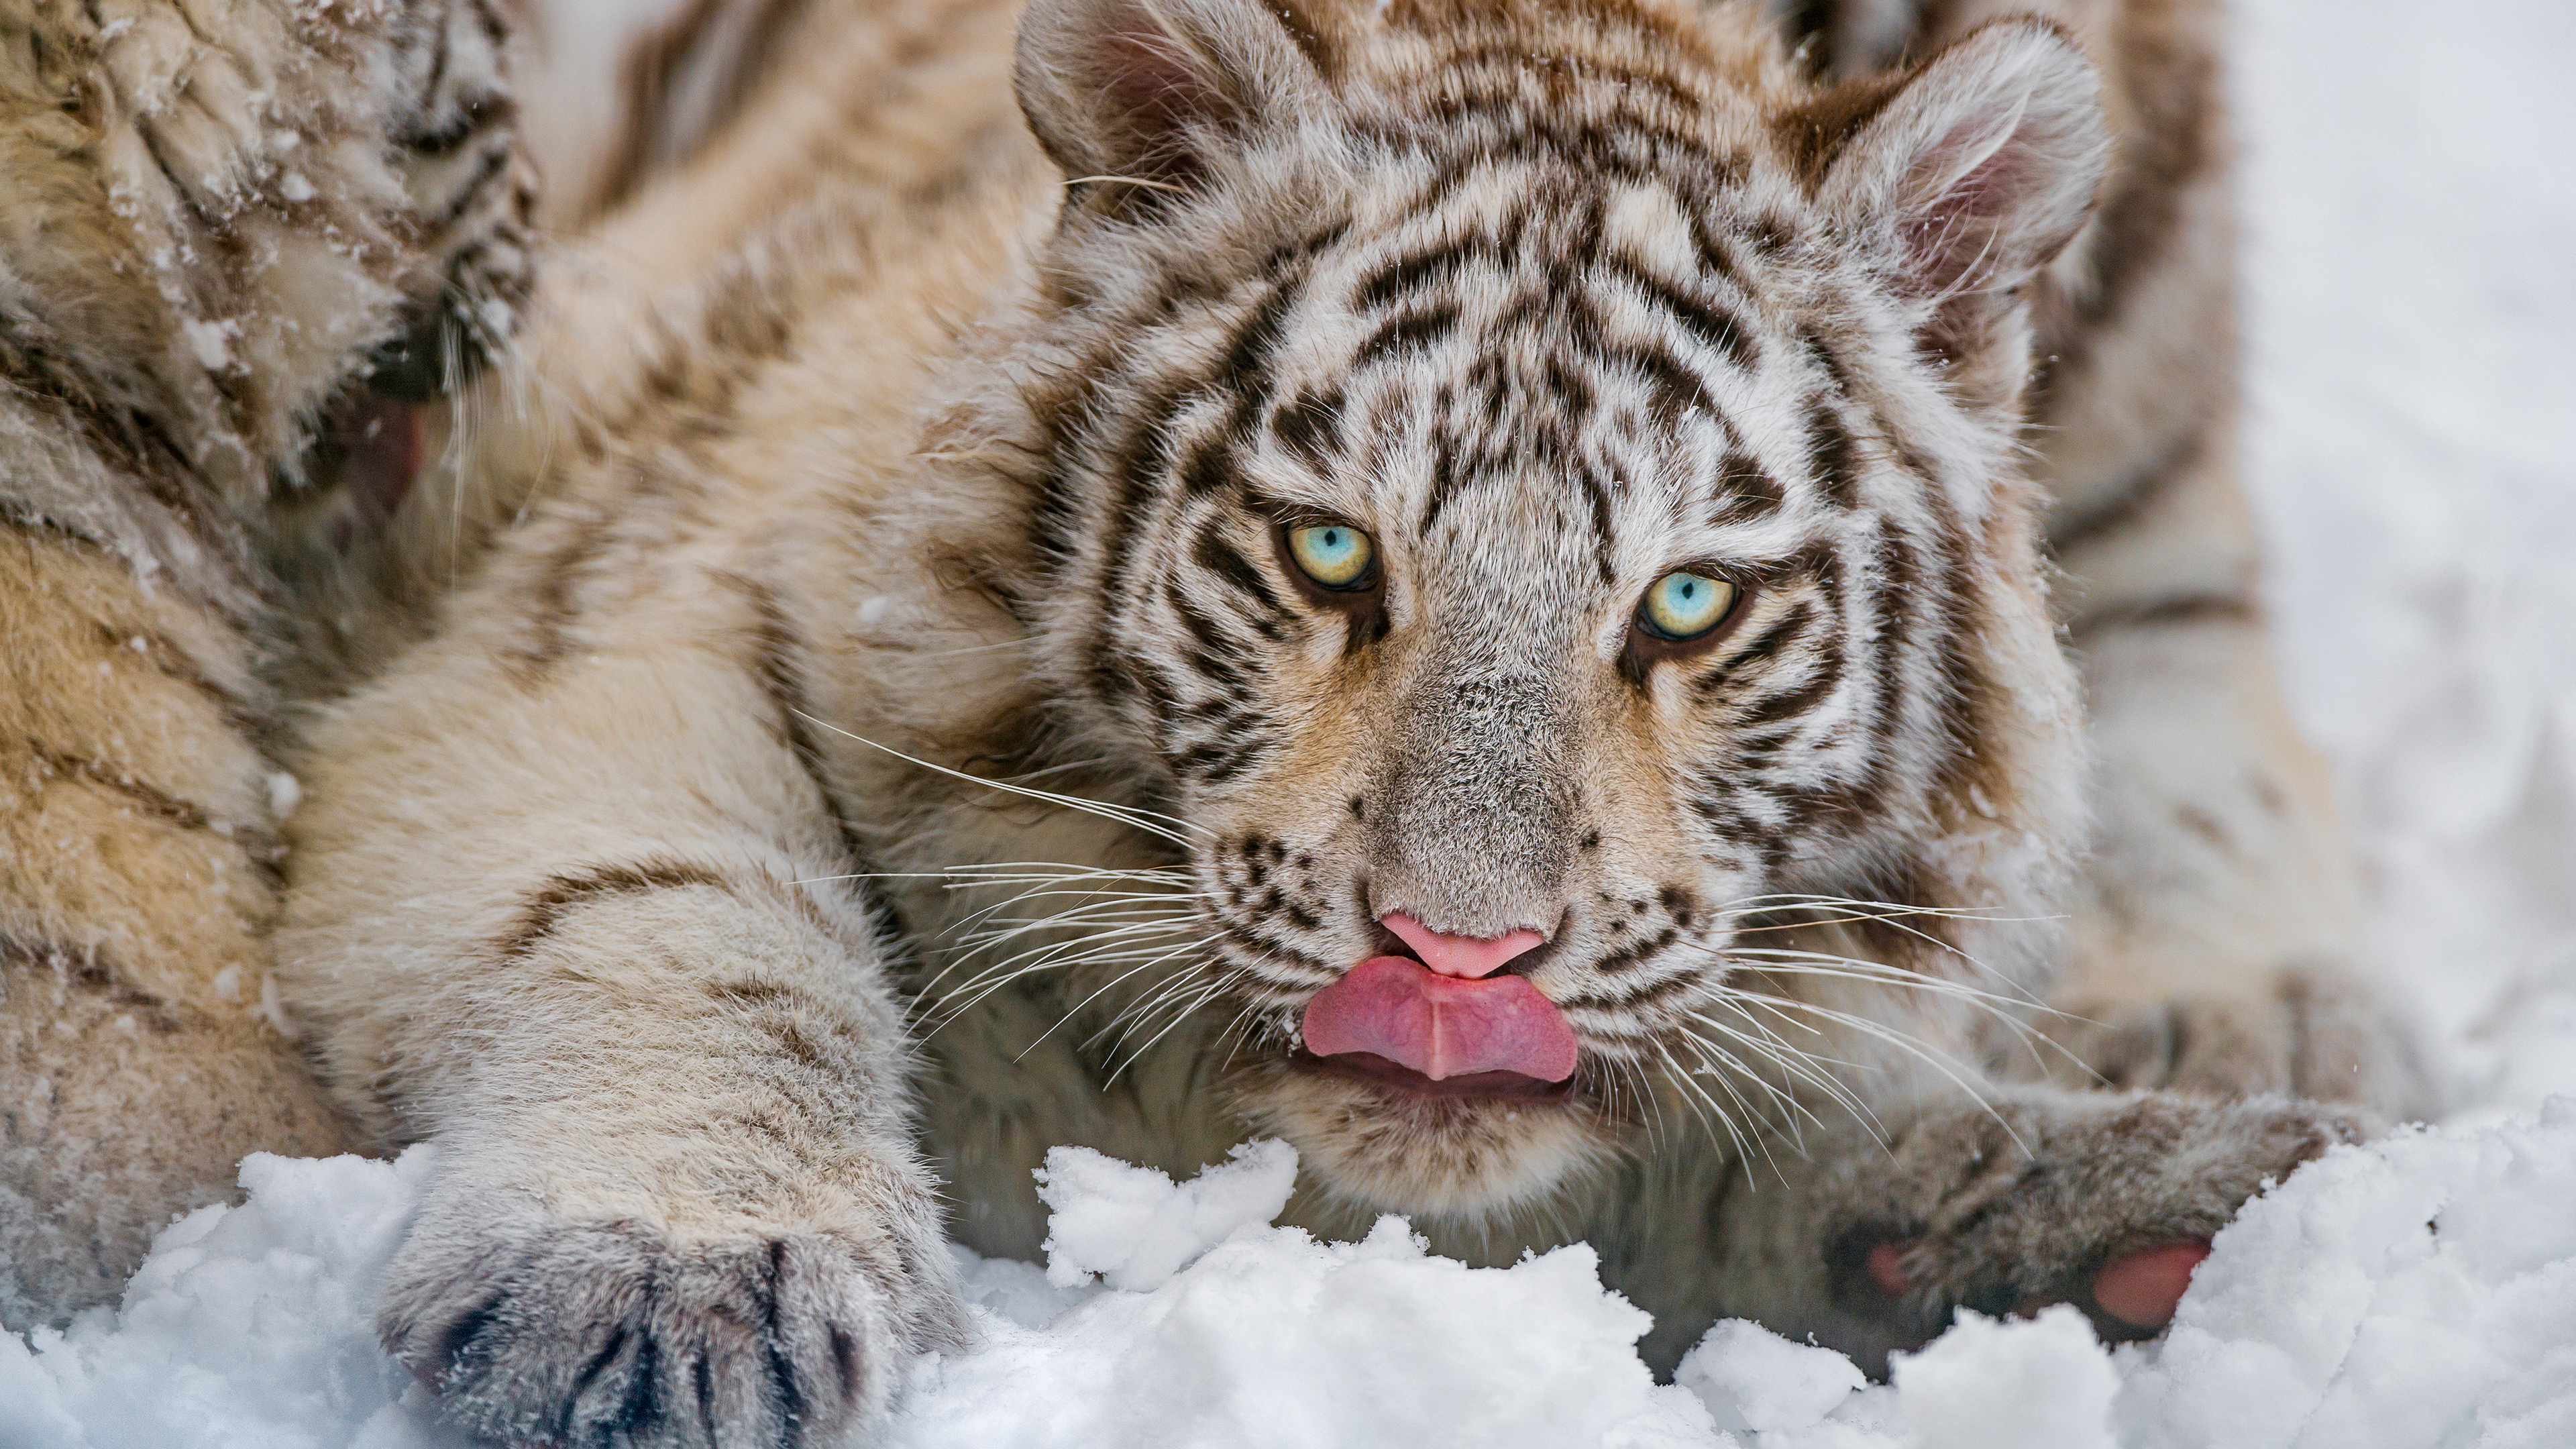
(472, 184)
(576, 1330)
(2104, 1202)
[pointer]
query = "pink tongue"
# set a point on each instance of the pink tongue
(1441, 1026)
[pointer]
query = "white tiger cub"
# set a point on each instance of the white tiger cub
(1452, 581)
(215, 218)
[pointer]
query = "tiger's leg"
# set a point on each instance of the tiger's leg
(2217, 920)
(471, 193)
(2219, 913)
(906, 79)
(138, 862)
(472, 190)
(574, 905)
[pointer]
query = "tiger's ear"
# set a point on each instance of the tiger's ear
(1149, 89)
(1977, 168)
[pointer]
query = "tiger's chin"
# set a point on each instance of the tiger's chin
(1380, 1138)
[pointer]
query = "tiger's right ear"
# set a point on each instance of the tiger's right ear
(1150, 89)
(1974, 170)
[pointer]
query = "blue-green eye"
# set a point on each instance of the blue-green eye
(1685, 606)
(1335, 555)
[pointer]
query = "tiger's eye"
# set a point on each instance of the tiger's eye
(1685, 605)
(1335, 555)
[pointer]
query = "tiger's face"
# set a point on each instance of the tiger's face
(1540, 496)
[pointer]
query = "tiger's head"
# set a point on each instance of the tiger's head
(1537, 489)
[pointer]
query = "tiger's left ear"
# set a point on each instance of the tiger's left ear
(1975, 169)
(1151, 89)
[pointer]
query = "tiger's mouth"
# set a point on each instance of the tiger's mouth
(1395, 1078)
(1442, 1024)
(1436, 1086)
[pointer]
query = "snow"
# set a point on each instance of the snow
(2411, 310)
(1750, 1379)
(2405, 1294)
(1270, 1338)
(2050, 1369)
(1132, 1228)
(2422, 1292)
(246, 1329)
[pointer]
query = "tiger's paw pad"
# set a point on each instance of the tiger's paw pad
(2132, 1296)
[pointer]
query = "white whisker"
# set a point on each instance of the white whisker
(1140, 819)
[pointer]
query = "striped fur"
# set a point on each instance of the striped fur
(2217, 913)
(880, 720)
(212, 218)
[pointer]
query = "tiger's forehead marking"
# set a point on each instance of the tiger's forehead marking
(1579, 363)
(1545, 356)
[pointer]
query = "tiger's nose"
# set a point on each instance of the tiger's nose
(1468, 956)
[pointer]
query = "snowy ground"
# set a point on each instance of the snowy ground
(2413, 218)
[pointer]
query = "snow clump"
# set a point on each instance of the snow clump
(1133, 1228)
(2417, 1291)
(2413, 1293)
(247, 1328)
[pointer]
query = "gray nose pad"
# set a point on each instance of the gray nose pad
(1475, 837)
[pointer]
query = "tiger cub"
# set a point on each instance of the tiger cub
(1455, 581)
(212, 219)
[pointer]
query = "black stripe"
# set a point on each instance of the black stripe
(1773, 709)
(1309, 423)
(1417, 327)
(1604, 539)
(1708, 323)
(1633, 954)
(2193, 608)
(1832, 454)
(1210, 469)
(1394, 281)
(1472, 132)
(2136, 494)
(1135, 474)
(1218, 555)
(1669, 375)
(543, 909)
(1745, 490)
(1770, 641)
(1219, 656)
(1444, 475)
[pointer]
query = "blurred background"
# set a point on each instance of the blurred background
(2410, 201)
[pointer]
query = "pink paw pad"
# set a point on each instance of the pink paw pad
(2140, 1289)
(2145, 1287)
(1886, 1268)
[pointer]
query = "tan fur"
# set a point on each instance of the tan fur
(747, 586)
(209, 216)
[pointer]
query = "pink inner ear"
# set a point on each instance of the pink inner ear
(1959, 240)
(1956, 233)
(1157, 93)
